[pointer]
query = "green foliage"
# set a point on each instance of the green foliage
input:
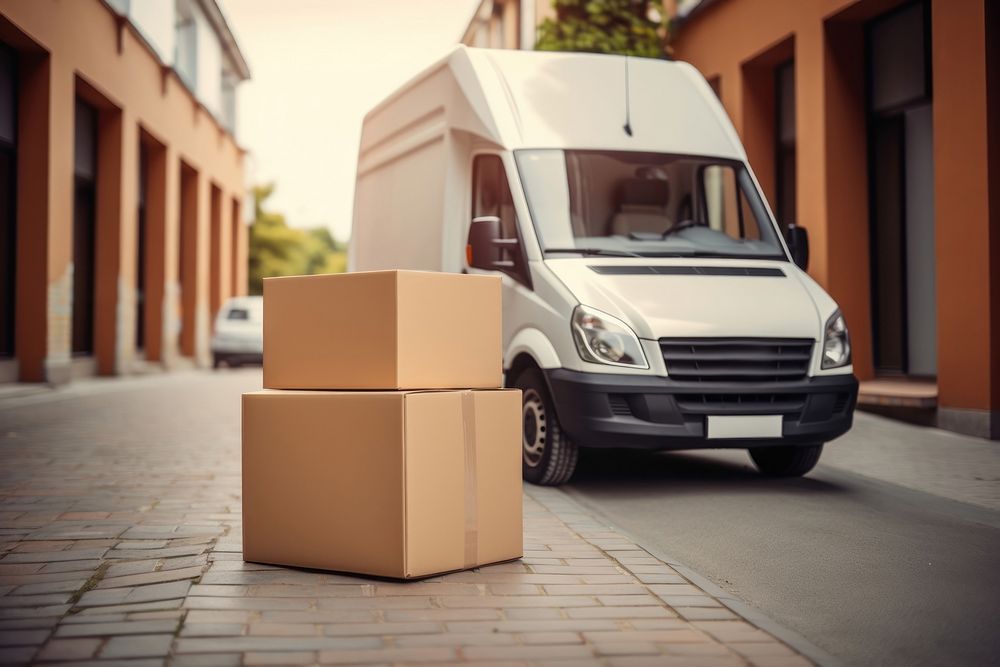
(623, 27)
(279, 250)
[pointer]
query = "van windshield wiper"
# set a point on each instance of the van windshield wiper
(596, 251)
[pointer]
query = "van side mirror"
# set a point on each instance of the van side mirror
(486, 246)
(798, 245)
(487, 249)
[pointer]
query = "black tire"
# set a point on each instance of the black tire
(217, 360)
(786, 460)
(550, 457)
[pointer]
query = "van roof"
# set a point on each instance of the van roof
(539, 99)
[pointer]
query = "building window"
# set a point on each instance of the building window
(901, 186)
(498, 32)
(784, 86)
(8, 189)
(229, 82)
(186, 45)
(84, 226)
(491, 193)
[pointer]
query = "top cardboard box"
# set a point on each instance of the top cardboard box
(382, 330)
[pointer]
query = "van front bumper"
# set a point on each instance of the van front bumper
(610, 410)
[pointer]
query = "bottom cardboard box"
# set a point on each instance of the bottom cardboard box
(398, 484)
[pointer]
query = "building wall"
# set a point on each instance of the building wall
(84, 49)
(507, 24)
(737, 43)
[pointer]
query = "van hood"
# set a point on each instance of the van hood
(695, 297)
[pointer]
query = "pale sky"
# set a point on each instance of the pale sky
(318, 66)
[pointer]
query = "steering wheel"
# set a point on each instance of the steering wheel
(681, 226)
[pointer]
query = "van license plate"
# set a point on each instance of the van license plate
(744, 426)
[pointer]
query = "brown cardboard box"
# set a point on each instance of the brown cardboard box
(395, 484)
(382, 330)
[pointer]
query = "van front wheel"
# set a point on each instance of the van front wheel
(548, 455)
(786, 461)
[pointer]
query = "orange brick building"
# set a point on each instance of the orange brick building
(873, 124)
(121, 185)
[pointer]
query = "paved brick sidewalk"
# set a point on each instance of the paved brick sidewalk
(120, 544)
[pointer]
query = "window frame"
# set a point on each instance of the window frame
(520, 272)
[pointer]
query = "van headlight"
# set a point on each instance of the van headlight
(836, 343)
(604, 339)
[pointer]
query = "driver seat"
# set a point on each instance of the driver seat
(642, 207)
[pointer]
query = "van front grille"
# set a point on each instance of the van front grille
(740, 404)
(736, 359)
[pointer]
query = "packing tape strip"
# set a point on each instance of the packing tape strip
(471, 490)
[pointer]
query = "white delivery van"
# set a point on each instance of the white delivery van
(650, 299)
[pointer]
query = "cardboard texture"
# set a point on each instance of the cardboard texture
(398, 484)
(382, 330)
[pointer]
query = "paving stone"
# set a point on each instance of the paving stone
(207, 660)
(557, 625)
(533, 653)
(705, 613)
(514, 589)
(424, 588)
(680, 635)
(596, 589)
(68, 586)
(150, 578)
(387, 656)
(534, 614)
(443, 614)
(160, 605)
(33, 612)
(455, 639)
(628, 600)
(89, 565)
(213, 630)
(131, 595)
(360, 629)
(228, 644)
(69, 649)
(285, 658)
(16, 655)
(116, 628)
(321, 616)
(620, 612)
(9, 601)
(676, 601)
(23, 637)
(137, 646)
(551, 638)
(675, 590)
(159, 510)
(29, 623)
(53, 556)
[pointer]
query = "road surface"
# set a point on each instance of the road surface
(871, 571)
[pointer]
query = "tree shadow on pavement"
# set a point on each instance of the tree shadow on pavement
(690, 472)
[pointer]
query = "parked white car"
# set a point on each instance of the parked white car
(239, 332)
(650, 299)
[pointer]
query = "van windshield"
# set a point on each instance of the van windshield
(645, 204)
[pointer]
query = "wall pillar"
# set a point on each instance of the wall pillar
(966, 306)
(240, 249)
(810, 121)
(845, 184)
(221, 251)
(114, 299)
(194, 264)
(45, 218)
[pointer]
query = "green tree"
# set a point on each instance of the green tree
(279, 250)
(622, 27)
